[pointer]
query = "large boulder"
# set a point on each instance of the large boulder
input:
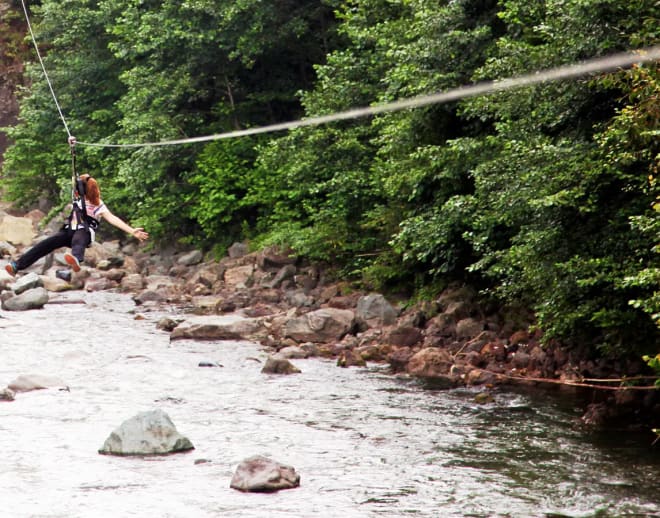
(430, 362)
(277, 364)
(27, 282)
(35, 298)
(191, 258)
(375, 311)
(28, 382)
(17, 231)
(147, 433)
(218, 327)
(261, 474)
(323, 325)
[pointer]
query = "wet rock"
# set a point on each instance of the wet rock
(27, 282)
(483, 397)
(150, 296)
(147, 433)
(167, 324)
(278, 365)
(261, 474)
(521, 360)
(596, 414)
(375, 311)
(350, 358)
(7, 394)
(29, 382)
(218, 328)
(293, 352)
(430, 363)
(323, 325)
(399, 358)
(207, 363)
(35, 298)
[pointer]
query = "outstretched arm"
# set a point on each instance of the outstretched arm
(122, 225)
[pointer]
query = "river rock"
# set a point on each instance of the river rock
(35, 298)
(17, 231)
(238, 250)
(323, 325)
(28, 382)
(468, 328)
(191, 258)
(132, 282)
(276, 364)
(430, 362)
(7, 394)
(55, 284)
(7, 249)
(374, 311)
(147, 433)
(404, 336)
(27, 282)
(261, 474)
(218, 327)
(286, 272)
(239, 277)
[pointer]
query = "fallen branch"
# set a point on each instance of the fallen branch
(572, 383)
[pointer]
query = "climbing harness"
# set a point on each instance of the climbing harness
(78, 215)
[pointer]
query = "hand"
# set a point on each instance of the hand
(140, 234)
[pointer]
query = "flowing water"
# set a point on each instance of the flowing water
(365, 443)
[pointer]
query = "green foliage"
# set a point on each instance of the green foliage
(654, 363)
(544, 196)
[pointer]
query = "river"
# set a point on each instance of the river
(365, 443)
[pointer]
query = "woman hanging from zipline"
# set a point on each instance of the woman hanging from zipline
(78, 231)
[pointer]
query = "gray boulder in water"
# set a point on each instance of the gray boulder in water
(147, 433)
(34, 298)
(261, 474)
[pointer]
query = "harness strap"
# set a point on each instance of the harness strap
(78, 202)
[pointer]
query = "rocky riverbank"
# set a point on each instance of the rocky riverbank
(292, 309)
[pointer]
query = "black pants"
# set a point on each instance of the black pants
(78, 240)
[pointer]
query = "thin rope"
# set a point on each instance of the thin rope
(41, 61)
(596, 65)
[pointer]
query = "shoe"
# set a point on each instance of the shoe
(72, 262)
(11, 268)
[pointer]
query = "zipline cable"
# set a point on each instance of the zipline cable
(43, 67)
(592, 66)
(597, 65)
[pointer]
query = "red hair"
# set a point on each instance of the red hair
(92, 191)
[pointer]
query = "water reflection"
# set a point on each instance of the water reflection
(365, 443)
